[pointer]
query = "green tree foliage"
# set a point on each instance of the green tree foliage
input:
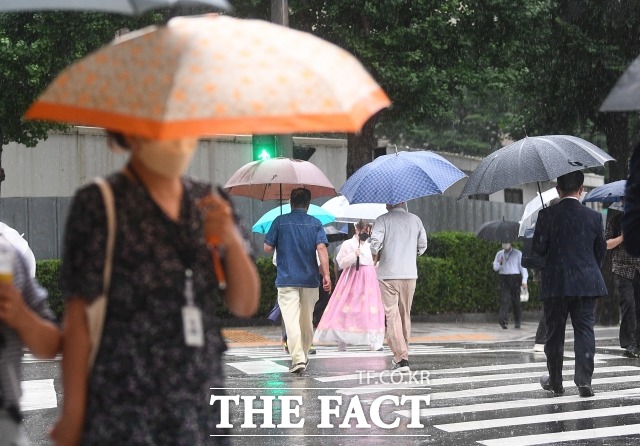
(34, 48)
(583, 47)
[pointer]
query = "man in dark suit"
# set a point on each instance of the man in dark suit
(571, 238)
(631, 218)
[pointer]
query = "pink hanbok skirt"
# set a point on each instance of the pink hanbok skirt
(354, 314)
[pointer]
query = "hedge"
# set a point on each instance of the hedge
(454, 276)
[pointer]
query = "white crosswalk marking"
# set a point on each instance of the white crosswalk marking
(38, 394)
(584, 434)
(533, 419)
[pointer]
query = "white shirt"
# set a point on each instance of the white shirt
(347, 255)
(512, 263)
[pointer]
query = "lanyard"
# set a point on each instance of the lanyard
(184, 240)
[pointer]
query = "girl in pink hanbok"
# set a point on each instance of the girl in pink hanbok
(354, 314)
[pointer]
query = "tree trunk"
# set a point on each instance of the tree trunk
(616, 128)
(360, 146)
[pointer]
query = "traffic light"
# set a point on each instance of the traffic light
(264, 147)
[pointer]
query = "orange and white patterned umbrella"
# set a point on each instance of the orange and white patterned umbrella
(208, 75)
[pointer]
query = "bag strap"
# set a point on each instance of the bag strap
(110, 208)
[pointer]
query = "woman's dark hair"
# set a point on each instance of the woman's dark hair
(117, 139)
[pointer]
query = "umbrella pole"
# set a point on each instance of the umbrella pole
(540, 192)
(280, 198)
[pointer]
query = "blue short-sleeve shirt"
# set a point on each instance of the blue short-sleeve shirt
(295, 237)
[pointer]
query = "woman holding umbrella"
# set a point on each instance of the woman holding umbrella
(150, 378)
(354, 314)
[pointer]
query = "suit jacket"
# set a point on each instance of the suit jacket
(631, 218)
(571, 237)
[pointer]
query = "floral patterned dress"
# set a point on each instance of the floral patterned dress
(146, 387)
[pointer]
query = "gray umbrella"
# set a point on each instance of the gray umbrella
(119, 6)
(533, 159)
(499, 231)
(625, 95)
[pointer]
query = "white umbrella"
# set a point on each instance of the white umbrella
(351, 213)
(13, 237)
(530, 214)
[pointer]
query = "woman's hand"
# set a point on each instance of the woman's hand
(217, 219)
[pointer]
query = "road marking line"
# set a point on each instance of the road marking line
(519, 404)
(38, 394)
(520, 366)
(536, 419)
(416, 382)
(258, 367)
(584, 434)
(516, 388)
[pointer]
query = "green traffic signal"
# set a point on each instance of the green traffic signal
(264, 147)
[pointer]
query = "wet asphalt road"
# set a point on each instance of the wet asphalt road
(463, 393)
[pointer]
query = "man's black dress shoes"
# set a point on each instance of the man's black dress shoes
(545, 383)
(585, 391)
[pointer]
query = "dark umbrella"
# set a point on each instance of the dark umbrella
(499, 231)
(607, 193)
(533, 159)
(625, 94)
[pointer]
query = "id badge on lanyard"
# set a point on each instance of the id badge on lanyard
(191, 315)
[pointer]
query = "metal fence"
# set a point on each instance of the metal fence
(42, 219)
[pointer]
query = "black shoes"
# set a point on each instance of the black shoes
(545, 383)
(401, 366)
(631, 352)
(503, 325)
(585, 391)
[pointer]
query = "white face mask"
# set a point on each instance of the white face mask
(167, 158)
(506, 246)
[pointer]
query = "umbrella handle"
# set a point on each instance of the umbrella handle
(216, 253)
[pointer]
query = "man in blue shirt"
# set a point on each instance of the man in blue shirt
(297, 236)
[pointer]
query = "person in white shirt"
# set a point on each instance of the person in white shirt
(512, 276)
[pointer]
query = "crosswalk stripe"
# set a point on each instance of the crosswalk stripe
(584, 434)
(519, 404)
(535, 419)
(38, 394)
(258, 367)
(516, 388)
(410, 383)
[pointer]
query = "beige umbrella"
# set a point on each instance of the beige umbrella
(212, 74)
(275, 178)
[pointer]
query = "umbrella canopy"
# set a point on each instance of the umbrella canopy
(504, 231)
(13, 237)
(399, 177)
(532, 159)
(274, 179)
(625, 94)
(208, 75)
(607, 193)
(352, 213)
(264, 223)
(530, 214)
(118, 6)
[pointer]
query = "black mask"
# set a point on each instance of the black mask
(363, 236)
